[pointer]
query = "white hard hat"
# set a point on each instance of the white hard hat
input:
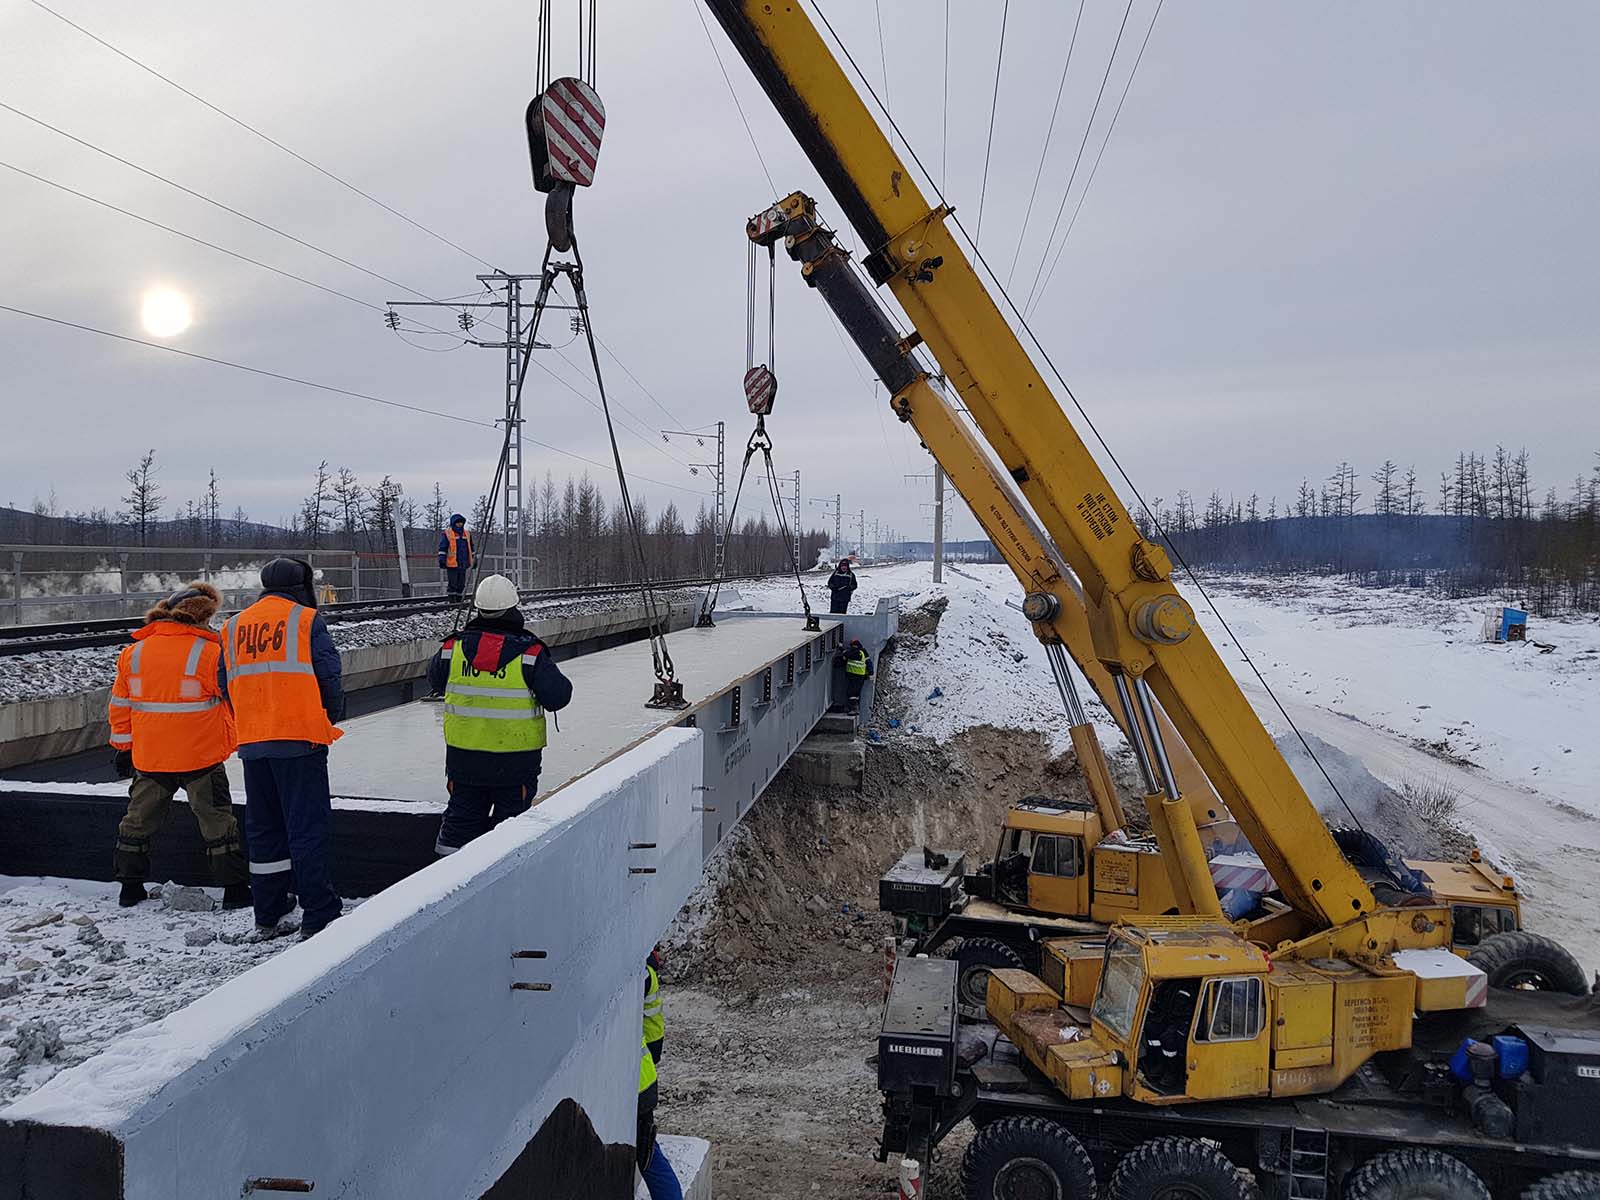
(495, 594)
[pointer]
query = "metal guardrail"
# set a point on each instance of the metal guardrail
(78, 635)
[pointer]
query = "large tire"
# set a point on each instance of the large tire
(1569, 1185)
(1529, 961)
(1414, 1174)
(1026, 1158)
(1180, 1168)
(975, 958)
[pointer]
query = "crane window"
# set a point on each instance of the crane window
(1121, 980)
(1470, 924)
(1057, 855)
(1231, 1011)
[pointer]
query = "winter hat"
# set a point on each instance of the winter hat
(457, 519)
(194, 603)
(292, 576)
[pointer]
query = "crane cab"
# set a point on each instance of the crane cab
(1054, 857)
(1185, 1010)
(1482, 901)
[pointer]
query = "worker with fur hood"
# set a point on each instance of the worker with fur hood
(172, 727)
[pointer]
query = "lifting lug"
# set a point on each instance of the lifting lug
(668, 694)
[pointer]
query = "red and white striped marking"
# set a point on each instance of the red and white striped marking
(763, 223)
(760, 389)
(574, 121)
(1245, 871)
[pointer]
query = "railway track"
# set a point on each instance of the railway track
(79, 635)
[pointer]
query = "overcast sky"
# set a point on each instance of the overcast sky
(1319, 232)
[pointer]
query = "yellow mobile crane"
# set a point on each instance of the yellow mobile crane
(1188, 1010)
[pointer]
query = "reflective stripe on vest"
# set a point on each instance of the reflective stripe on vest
(647, 1068)
(451, 558)
(271, 679)
(490, 710)
(655, 1025)
(173, 724)
(854, 665)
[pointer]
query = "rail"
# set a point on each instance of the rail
(85, 634)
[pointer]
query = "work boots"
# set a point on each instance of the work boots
(235, 896)
(132, 893)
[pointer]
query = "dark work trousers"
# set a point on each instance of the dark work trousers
(455, 582)
(476, 808)
(288, 816)
(839, 602)
(150, 801)
(659, 1179)
(852, 690)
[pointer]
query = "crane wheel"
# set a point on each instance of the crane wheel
(1525, 961)
(1569, 1185)
(975, 958)
(1180, 1168)
(1414, 1174)
(1026, 1158)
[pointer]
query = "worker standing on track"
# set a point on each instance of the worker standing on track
(286, 683)
(172, 728)
(456, 557)
(498, 680)
(841, 584)
(857, 670)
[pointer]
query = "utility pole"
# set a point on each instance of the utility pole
(794, 507)
(721, 519)
(514, 530)
(938, 519)
(838, 524)
(861, 532)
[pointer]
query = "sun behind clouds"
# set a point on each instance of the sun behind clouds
(165, 312)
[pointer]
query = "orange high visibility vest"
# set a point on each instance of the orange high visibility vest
(451, 536)
(271, 681)
(166, 705)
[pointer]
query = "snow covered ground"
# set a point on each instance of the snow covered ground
(77, 972)
(1396, 679)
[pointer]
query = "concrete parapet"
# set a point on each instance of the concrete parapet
(395, 1055)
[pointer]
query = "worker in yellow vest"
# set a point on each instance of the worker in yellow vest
(857, 670)
(659, 1178)
(655, 1025)
(498, 681)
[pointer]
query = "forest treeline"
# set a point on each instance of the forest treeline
(576, 534)
(1481, 526)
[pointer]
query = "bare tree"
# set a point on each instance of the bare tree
(437, 510)
(347, 495)
(314, 509)
(144, 496)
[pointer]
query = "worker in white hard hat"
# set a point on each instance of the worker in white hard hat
(498, 681)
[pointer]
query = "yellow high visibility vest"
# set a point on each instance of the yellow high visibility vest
(655, 1025)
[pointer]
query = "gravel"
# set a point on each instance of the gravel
(69, 672)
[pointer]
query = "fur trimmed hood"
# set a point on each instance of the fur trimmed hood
(193, 604)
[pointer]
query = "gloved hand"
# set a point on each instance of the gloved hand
(122, 763)
(441, 562)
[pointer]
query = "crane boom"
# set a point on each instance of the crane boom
(1144, 633)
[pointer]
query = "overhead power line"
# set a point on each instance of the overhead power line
(271, 141)
(1110, 129)
(1049, 133)
(728, 79)
(994, 107)
(1088, 126)
(321, 387)
(213, 202)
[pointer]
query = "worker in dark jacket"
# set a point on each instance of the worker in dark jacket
(456, 557)
(840, 586)
(498, 680)
(857, 670)
(283, 675)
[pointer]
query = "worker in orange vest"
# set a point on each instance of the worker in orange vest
(456, 557)
(284, 678)
(172, 728)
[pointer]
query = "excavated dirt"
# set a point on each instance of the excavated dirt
(774, 989)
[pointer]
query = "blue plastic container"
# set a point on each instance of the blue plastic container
(1511, 1056)
(1458, 1062)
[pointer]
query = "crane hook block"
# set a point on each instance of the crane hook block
(760, 389)
(565, 124)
